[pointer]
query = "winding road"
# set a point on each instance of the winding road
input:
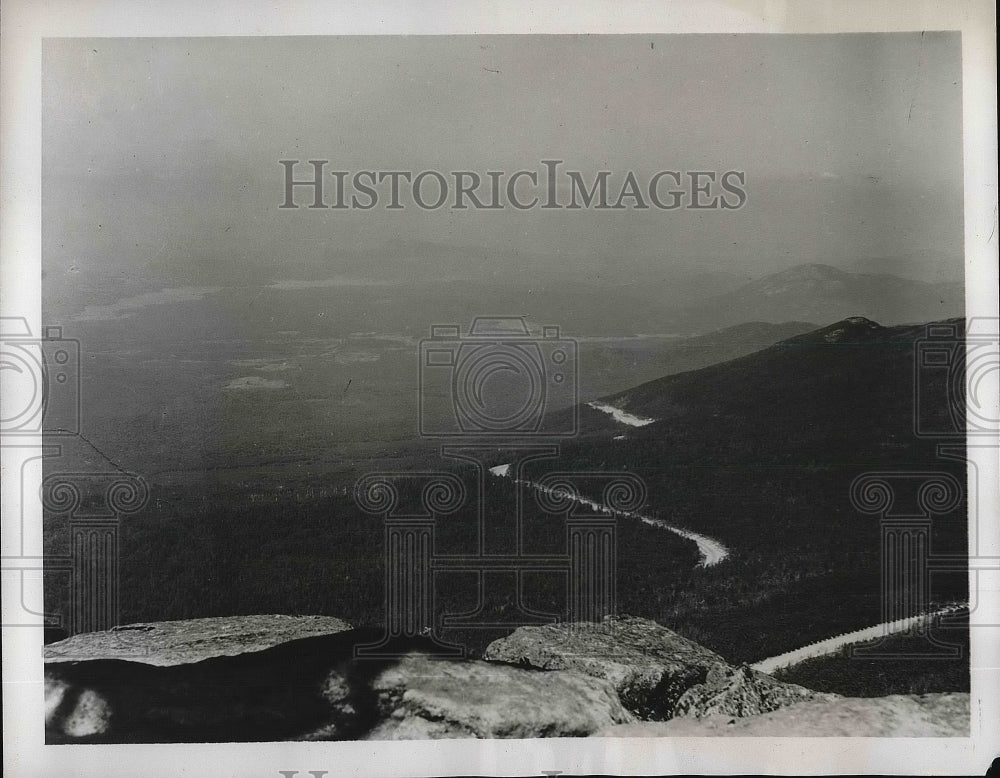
(834, 644)
(712, 551)
(619, 415)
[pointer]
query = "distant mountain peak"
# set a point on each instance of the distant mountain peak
(798, 279)
(851, 329)
(862, 321)
(819, 292)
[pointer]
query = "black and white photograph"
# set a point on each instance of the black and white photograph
(616, 388)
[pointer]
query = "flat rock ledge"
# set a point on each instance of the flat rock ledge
(166, 643)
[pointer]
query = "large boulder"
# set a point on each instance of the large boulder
(424, 697)
(265, 693)
(657, 673)
(180, 682)
(926, 715)
(649, 665)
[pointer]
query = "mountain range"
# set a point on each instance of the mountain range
(825, 294)
(588, 303)
(759, 453)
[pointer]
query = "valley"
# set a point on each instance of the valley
(748, 542)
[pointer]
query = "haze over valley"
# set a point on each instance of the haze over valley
(744, 367)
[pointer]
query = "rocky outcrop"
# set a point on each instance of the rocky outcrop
(649, 665)
(927, 715)
(657, 673)
(424, 697)
(270, 678)
(180, 684)
(741, 691)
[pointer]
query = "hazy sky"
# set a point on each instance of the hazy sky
(160, 156)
